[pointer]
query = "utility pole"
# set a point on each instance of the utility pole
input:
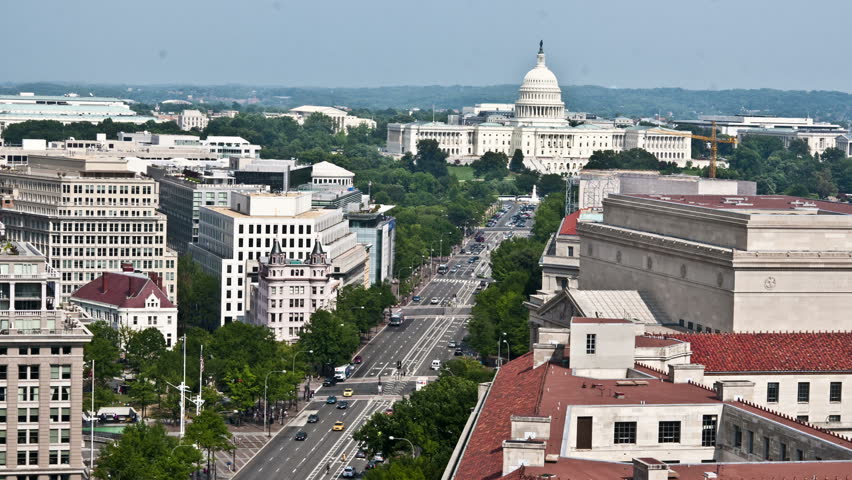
(200, 382)
(92, 424)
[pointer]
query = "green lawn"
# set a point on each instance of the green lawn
(461, 172)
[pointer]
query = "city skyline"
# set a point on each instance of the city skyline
(446, 43)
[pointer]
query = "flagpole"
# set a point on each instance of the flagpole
(183, 393)
(200, 374)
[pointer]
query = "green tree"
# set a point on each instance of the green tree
(143, 393)
(332, 340)
(491, 166)
(146, 452)
(144, 347)
(548, 216)
(468, 368)
(103, 349)
(209, 432)
(517, 163)
(430, 159)
(550, 183)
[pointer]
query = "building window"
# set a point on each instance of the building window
(60, 372)
(802, 418)
(28, 436)
(738, 436)
(28, 457)
(591, 343)
(766, 448)
(804, 393)
(772, 392)
(750, 441)
(708, 431)
(784, 457)
(834, 419)
(625, 432)
(800, 455)
(669, 432)
(835, 390)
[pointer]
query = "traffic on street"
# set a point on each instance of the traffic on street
(429, 329)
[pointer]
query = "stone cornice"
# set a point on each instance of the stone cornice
(661, 243)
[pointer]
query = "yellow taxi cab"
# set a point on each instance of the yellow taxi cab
(347, 392)
(338, 427)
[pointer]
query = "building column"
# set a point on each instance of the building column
(11, 295)
(44, 295)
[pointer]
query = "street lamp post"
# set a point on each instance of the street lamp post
(392, 438)
(508, 358)
(311, 352)
(265, 401)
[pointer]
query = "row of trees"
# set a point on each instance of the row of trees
(432, 419)
(499, 313)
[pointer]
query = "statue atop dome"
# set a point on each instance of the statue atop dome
(541, 46)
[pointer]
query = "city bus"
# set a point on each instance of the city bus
(396, 319)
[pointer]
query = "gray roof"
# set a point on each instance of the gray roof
(627, 304)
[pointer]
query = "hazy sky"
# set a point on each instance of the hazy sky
(786, 44)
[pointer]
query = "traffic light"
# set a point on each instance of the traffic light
(399, 364)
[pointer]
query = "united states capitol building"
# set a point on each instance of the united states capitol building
(539, 128)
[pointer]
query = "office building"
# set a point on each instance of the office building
(279, 175)
(377, 231)
(129, 299)
(817, 139)
(289, 291)
(582, 405)
(65, 109)
(726, 263)
(41, 375)
(732, 124)
(88, 215)
(184, 192)
(233, 239)
(537, 126)
(189, 119)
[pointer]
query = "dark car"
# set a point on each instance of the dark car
(361, 453)
(415, 298)
(357, 360)
(329, 382)
(458, 352)
(301, 436)
(331, 399)
(370, 465)
(313, 418)
(342, 405)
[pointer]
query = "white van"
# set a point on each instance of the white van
(436, 364)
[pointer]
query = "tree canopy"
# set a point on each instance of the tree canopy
(146, 452)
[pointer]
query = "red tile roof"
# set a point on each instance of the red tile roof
(751, 202)
(569, 224)
(578, 469)
(771, 352)
(122, 290)
(516, 390)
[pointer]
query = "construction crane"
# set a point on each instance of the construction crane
(712, 139)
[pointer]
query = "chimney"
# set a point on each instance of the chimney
(683, 373)
(157, 279)
(126, 267)
(649, 469)
(522, 452)
(103, 282)
(734, 390)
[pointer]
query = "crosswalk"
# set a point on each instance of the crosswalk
(455, 280)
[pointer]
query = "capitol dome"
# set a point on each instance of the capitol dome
(540, 98)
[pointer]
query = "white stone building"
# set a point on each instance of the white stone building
(803, 375)
(129, 299)
(233, 239)
(189, 119)
(66, 109)
(341, 119)
(733, 124)
(328, 175)
(726, 263)
(289, 291)
(539, 128)
(817, 139)
(88, 216)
